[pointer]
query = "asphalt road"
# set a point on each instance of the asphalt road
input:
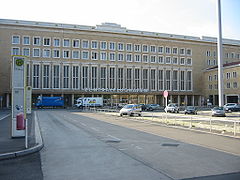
(91, 146)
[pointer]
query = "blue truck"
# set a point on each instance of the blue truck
(49, 102)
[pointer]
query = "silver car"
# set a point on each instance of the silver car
(131, 110)
(218, 111)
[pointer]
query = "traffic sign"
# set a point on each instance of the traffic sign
(165, 94)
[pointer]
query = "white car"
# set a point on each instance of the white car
(229, 105)
(218, 111)
(131, 109)
(172, 108)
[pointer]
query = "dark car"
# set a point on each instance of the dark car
(190, 110)
(151, 107)
(143, 106)
(234, 108)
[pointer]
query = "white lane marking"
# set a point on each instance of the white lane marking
(123, 149)
(114, 137)
(95, 129)
(138, 147)
(83, 124)
(5, 117)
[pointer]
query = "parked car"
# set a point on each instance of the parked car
(152, 107)
(190, 110)
(229, 106)
(131, 110)
(218, 111)
(172, 108)
(234, 108)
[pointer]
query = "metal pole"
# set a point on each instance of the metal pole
(26, 133)
(220, 63)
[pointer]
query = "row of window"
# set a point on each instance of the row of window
(100, 78)
(231, 55)
(112, 56)
(102, 45)
(228, 75)
(228, 85)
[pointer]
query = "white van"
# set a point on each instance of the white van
(131, 109)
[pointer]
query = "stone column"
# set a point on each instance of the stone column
(193, 100)
(72, 99)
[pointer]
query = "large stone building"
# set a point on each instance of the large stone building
(121, 65)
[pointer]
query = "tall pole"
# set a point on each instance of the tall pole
(220, 63)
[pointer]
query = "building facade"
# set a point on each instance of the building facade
(109, 61)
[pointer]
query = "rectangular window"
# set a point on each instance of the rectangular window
(46, 53)
(85, 77)
(112, 46)
(210, 86)
(66, 54)
(175, 50)
(103, 56)
(182, 51)
(167, 50)
(145, 78)
(208, 53)
(153, 59)
(175, 60)
(160, 80)
(210, 78)
(76, 43)
(182, 61)
(112, 78)
(15, 51)
(129, 47)
(137, 47)
(56, 42)
(36, 41)
(75, 77)
(145, 58)
(160, 60)
(136, 78)
(120, 78)
(94, 77)
(234, 74)
(152, 49)
(153, 79)
(75, 54)
(145, 48)
(160, 49)
(228, 85)
(168, 80)
(94, 55)
(189, 61)
(46, 76)
(120, 47)
(189, 52)
(36, 74)
(235, 85)
(175, 80)
(85, 44)
(46, 41)
(56, 53)
(103, 45)
(85, 55)
(120, 57)
(26, 40)
(66, 76)
(36, 52)
(168, 60)
(15, 39)
(129, 78)
(26, 52)
(103, 73)
(94, 45)
(182, 80)
(56, 76)
(112, 56)
(66, 43)
(189, 80)
(137, 58)
(228, 75)
(129, 57)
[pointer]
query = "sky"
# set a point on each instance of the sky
(183, 17)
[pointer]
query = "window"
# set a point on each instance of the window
(137, 58)
(145, 78)
(129, 57)
(36, 52)
(189, 81)
(15, 51)
(189, 61)
(85, 55)
(209, 62)
(214, 62)
(26, 51)
(210, 78)
(160, 59)
(36, 41)
(46, 53)
(175, 80)
(112, 46)
(145, 58)
(168, 60)
(26, 40)
(228, 85)
(66, 43)
(66, 54)
(215, 86)
(145, 48)
(182, 80)
(160, 49)
(85, 77)
(160, 80)
(94, 55)
(182, 61)
(56, 53)
(167, 50)
(94, 45)
(112, 78)
(103, 45)
(232, 55)
(129, 78)
(226, 55)
(103, 56)
(94, 77)
(228, 75)
(208, 53)
(175, 50)
(137, 47)
(153, 59)
(112, 56)
(36, 73)
(56, 42)
(175, 60)
(215, 77)
(153, 79)
(210, 86)
(46, 41)
(238, 56)
(234, 74)
(85, 44)
(75, 54)
(75, 77)
(168, 80)
(120, 47)
(235, 85)
(120, 78)
(56, 76)
(15, 39)
(182, 51)
(103, 73)
(189, 52)
(46, 76)
(153, 49)
(120, 57)
(65, 76)
(129, 47)
(137, 78)
(76, 43)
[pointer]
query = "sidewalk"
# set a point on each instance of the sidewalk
(15, 147)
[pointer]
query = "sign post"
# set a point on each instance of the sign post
(28, 94)
(18, 96)
(165, 94)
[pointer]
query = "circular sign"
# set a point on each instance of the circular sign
(19, 62)
(165, 94)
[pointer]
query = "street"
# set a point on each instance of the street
(90, 145)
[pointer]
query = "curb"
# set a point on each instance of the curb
(39, 144)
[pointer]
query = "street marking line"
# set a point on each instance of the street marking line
(95, 129)
(5, 117)
(114, 137)
(83, 124)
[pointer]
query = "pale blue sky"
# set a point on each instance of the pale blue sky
(185, 17)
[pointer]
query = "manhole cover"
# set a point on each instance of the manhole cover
(170, 144)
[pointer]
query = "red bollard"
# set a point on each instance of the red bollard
(20, 121)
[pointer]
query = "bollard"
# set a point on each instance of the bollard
(190, 125)
(210, 121)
